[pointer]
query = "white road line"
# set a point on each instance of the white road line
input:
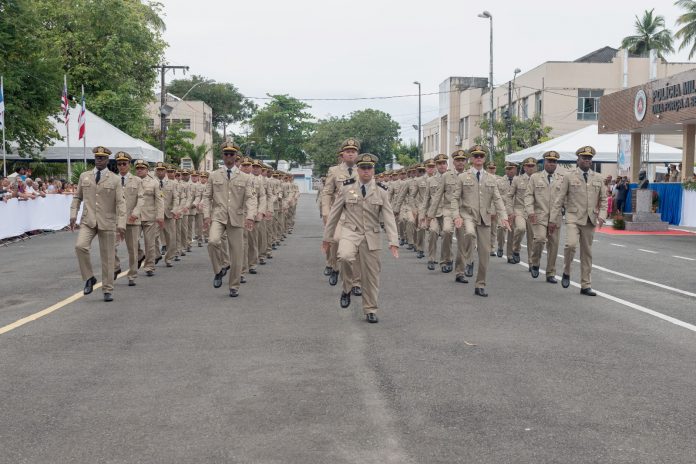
(632, 305)
(648, 251)
(618, 245)
(684, 257)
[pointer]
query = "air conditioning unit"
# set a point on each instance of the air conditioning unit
(458, 141)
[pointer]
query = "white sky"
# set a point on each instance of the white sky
(361, 48)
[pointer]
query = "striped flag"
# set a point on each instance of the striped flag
(2, 106)
(64, 104)
(81, 118)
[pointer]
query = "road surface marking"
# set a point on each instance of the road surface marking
(648, 251)
(684, 257)
(618, 245)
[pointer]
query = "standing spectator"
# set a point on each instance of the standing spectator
(21, 172)
(621, 190)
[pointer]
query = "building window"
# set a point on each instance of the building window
(460, 132)
(588, 104)
(525, 109)
(466, 128)
(183, 123)
(150, 123)
(437, 142)
(537, 104)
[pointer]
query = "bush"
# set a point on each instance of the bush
(619, 223)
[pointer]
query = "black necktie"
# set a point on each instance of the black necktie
(478, 176)
(350, 172)
(98, 175)
(362, 189)
(161, 183)
(123, 181)
(584, 174)
(229, 173)
(510, 180)
(549, 176)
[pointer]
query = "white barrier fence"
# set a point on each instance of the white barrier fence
(49, 213)
(688, 211)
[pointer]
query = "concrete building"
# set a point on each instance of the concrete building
(194, 116)
(565, 94)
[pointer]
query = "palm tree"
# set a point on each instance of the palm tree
(687, 33)
(196, 153)
(651, 35)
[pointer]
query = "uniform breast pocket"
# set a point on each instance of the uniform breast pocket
(217, 183)
(239, 185)
(150, 191)
(575, 186)
(540, 185)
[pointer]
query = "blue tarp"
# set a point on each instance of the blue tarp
(670, 200)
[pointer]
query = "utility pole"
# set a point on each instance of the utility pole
(420, 146)
(163, 101)
(508, 120)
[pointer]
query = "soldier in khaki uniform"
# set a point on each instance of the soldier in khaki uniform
(271, 200)
(437, 213)
(459, 161)
(584, 196)
(230, 206)
(491, 170)
(264, 212)
(133, 193)
(182, 221)
(190, 214)
(542, 190)
(251, 236)
(518, 190)
(476, 197)
(170, 205)
(104, 213)
(335, 178)
(151, 214)
(201, 236)
(361, 203)
(504, 185)
(421, 186)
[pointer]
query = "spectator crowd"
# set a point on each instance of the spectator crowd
(20, 185)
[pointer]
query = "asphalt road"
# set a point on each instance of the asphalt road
(174, 371)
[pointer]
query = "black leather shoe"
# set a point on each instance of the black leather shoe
(447, 267)
(357, 291)
(183, 253)
(234, 292)
(409, 247)
(431, 265)
(511, 260)
(274, 247)
(89, 284)
(116, 273)
(328, 270)
(150, 273)
(158, 259)
(588, 291)
(516, 257)
(402, 242)
(242, 279)
(499, 254)
(551, 280)
(163, 251)
(565, 281)
(200, 244)
(131, 283)
(262, 262)
(108, 297)
(345, 300)
(252, 270)
(480, 292)
(176, 258)
(224, 270)
(217, 280)
(469, 270)
(333, 278)
(461, 279)
(169, 265)
(420, 255)
(535, 271)
(140, 262)
(188, 249)
(492, 253)
(371, 318)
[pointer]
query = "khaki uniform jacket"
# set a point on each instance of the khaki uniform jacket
(183, 196)
(153, 203)
(199, 188)
(394, 189)
(517, 192)
(334, 182)
(260, 189)
(271, 197)
(170, 197)
(504, 186)
(540, 196)
(104, 207)
(477, 200)
(402, 195)
(190, 189)
(441, 202)
(582, 200)
(361, 216)
(230, 201)
(133, 192)
(423, 195)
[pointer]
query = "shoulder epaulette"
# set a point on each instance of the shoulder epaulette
(383, 185)
(349, 181)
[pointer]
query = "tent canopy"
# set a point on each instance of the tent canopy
(605, 144)
(98, 132)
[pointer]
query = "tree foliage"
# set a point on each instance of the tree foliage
(651, 34)
(179, 143)
(281, 129)
(525, 133)
(406, 153)
(687, 21)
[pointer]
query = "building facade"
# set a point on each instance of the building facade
(564, 94)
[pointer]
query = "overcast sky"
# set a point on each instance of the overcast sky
(372, 48)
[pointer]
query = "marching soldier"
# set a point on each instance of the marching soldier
(542, 190)
(201, 234)
(103, 215)
(491, 169)
(133, 193)
(264, 212)
(504, 185)
(271, 204)
(518, 190)
(190, 213)
(151, 214)
(170, 205)
(438, 215)
(361, 202)
(476, 196)
(230, 206)
(403, 207)
(250, 236)
(463, 257)
(421, 186)
(584, 197)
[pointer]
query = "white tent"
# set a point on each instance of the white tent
(605, 144)
(98, 132)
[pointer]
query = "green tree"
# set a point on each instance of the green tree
(30, 63)
(406, 154)
(228, 105)
(525, 133)
(179, 143)
(651, 34)
(281, 129)
(322, 147)
(196, 153)
(687, 21)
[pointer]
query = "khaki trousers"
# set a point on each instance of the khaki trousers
(181, 235)
(502, 236)
(269, 236)
(261, 235)
(134, 252)
(482, 235)
(234, 245)
(252, 256)
(169, 233)
(584, 234)
(543, 238)
(350, 256)
(200, 233)
(440, 225)
(191, 225)
(494, 231)
(107, 242)
(522, 226)
(463, 253)
(150, 231)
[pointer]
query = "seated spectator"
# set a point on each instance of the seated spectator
(5, 190)
(29, 190)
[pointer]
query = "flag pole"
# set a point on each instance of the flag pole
(84, 136)
(67, 124)
(2, 120)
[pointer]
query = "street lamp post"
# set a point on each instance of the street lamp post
(517, 103)
(487, 14)
(420, 146)
(508, 117)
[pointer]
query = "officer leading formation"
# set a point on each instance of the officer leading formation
(243, 210)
